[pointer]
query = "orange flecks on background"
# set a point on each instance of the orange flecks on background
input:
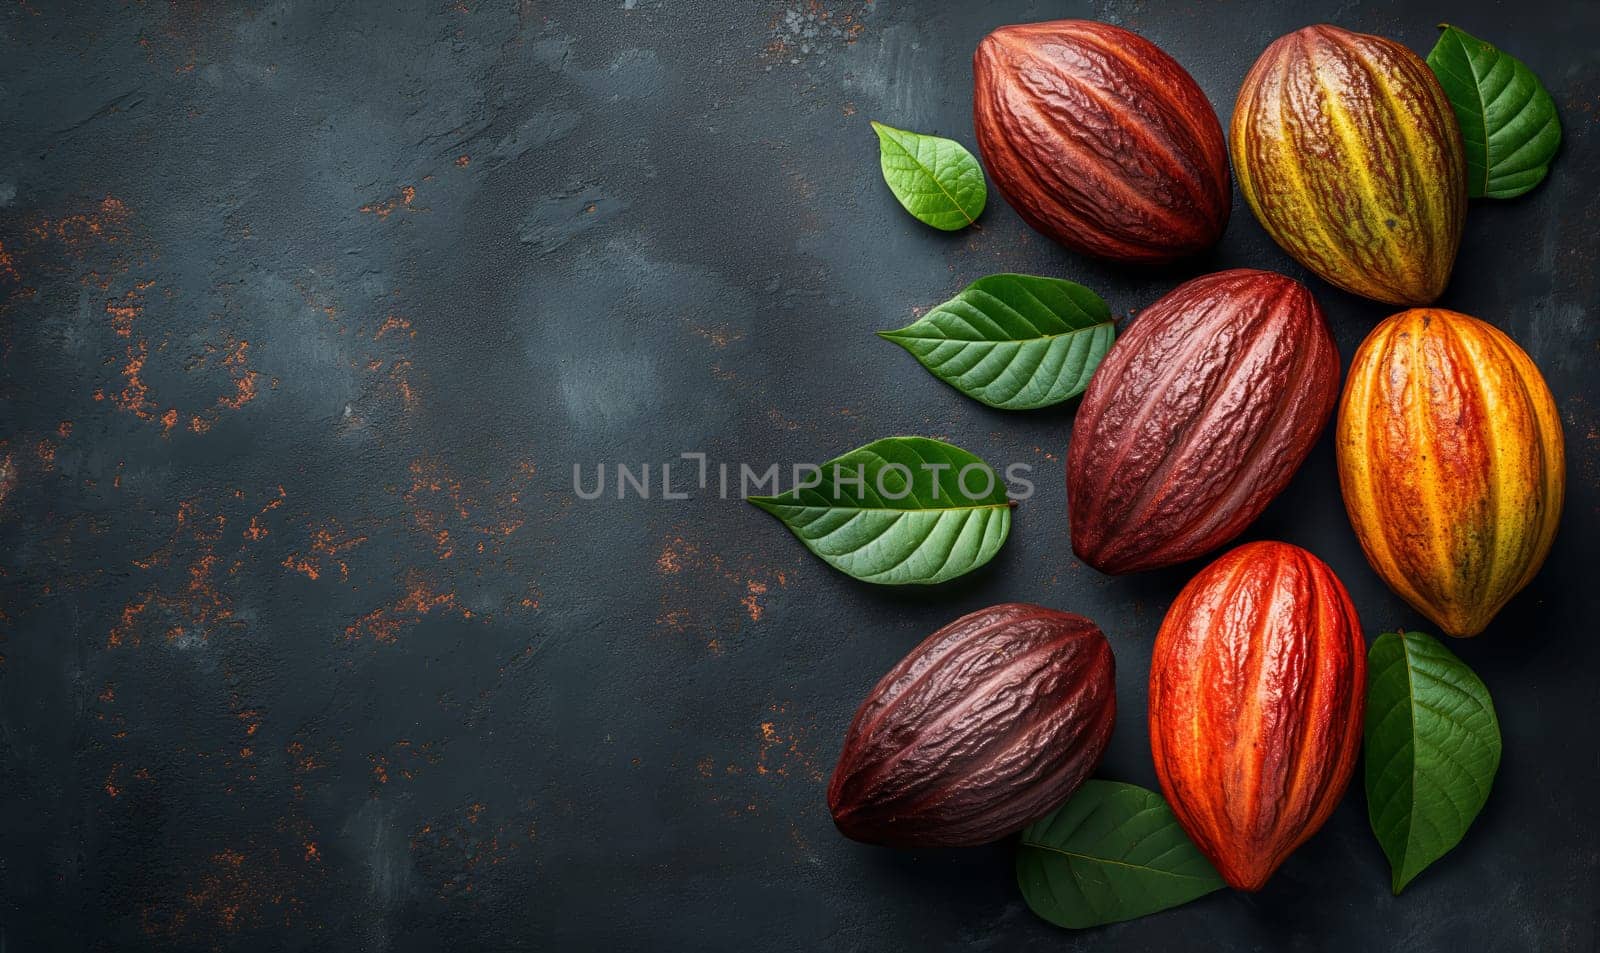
(237, 890)
(255, 531)
(782, 752)
(134, 395)
(388, 206)
(196, 608)
(108, 223)
(8, 267)
(384, 623)
(752, 600)
(303, 566)
(244, 379)
(691, 574)
(328, 542)
(394, 323)
(400, 374)
(457, 852)
(124, 314)
(124, 631)
(462, 160)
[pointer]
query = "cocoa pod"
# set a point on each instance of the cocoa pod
(1100, 140)
(1348, 151)
(1257, 686)
(987, 726)
(1452, 464)
(1200, 414)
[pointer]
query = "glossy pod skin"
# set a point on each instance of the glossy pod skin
(1350, 155)
(1257, 687)
(1100, 140)
(987, 726)
(1197, 418)
(1452, 464)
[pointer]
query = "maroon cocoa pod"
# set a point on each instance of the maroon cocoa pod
(987, 726)
(1100, 140)
(1200, 414)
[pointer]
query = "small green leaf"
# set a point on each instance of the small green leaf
(1113, 852)
(1432, 748)
(899, 510)
(1016, 342)
(937, 180)
(1508, 120)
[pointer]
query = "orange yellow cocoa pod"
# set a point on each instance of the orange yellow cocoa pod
(1452, 464)
(1348, 152)
(1257, 687)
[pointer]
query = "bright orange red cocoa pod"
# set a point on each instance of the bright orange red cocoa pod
(1257, 685)
(1349, 153)
(1452, 464)
(1100, 140)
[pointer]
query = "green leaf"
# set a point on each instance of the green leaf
(1508, 120)
(910, 519)
(1113, 852)
(937, 180)
(1016, 342)
(1432, 748)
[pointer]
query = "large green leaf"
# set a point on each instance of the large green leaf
(1508, 120)
(1113, 852)
(1013, 341)
(1432, 748)
(937, 180)
(923, 511)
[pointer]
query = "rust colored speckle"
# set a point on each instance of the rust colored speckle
(673, 554)
(8, 267)
(385, 623)
(394, 323)
(752, 600)
(235, 357)
(392, 204)
(303, 566)
(134, 397)
(461, 160)
(124, 313)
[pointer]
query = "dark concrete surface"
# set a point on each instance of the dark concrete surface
(307, 312)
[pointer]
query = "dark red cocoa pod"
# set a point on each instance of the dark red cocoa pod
(1100, 140)
(1200, 414)
(987, 726)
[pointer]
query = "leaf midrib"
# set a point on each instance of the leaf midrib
(879, 509)
(932, 177)
(1411, 810)
(1115, 863)
(898, 336)
(1483, 109)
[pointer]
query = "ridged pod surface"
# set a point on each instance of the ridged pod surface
(1100, 140)
(1257, 687)
(987, 726)
(1350, 155)
(1452, 464)
(1197, 418)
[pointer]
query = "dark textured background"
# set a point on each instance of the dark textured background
(308, 313)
